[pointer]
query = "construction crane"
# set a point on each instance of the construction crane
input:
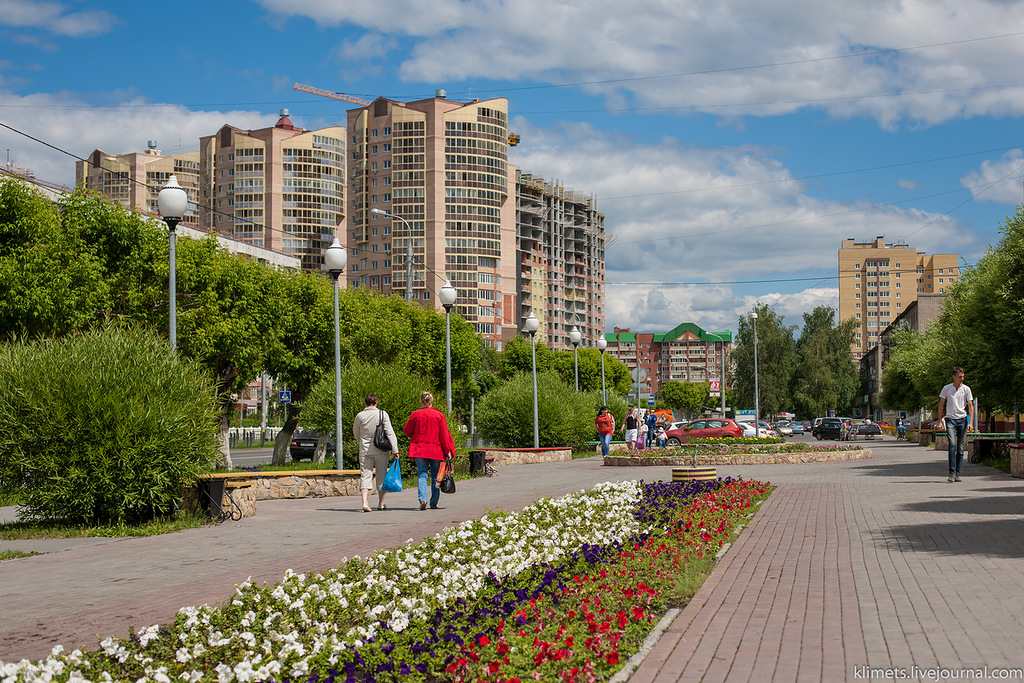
(513, 138)
(330, 93)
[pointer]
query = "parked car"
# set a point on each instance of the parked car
(829, 428)
(716, 428)
(797, 427)
(303, 445)
(863, 430)
(783, 427)
(763, 431)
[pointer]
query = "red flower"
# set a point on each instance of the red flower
(612, 657)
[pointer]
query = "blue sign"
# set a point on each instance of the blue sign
(650, 401)
(286, 397)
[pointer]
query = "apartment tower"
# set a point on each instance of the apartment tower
(560, 274)
(877, 281)
(686, 353)
(280, 187)
(134, 180)
(441, 168)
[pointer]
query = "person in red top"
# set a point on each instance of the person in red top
(430, 442)
(605, 423)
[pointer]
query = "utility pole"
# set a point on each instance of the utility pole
(408, 263)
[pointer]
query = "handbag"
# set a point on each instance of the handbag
(380, 435)
(393, 479)
(448, 481)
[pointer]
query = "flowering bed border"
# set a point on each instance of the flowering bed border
(698, 459)
(564, 590)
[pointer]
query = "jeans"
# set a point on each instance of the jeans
(427, 467)
(606, 443)
(956, 434)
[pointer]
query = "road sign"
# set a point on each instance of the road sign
(285, 397)
(638, 374)
(715, 386)
(650, 401)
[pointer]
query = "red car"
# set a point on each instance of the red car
(714, 428)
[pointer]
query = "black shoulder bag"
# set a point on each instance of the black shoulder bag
(380, 435)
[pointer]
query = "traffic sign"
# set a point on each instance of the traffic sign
(285, 397)
(650, 401)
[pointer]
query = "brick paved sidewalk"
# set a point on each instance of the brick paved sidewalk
(878, 564)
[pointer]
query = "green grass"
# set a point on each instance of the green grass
(10, 499)
(14, 554)
(29, 530)
(1001, 463)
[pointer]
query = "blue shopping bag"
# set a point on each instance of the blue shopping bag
(393, 479)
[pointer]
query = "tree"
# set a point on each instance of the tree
(684, 396)
(516, 358)
(776, 356)
(825, 377)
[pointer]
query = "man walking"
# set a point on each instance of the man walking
(958, 401)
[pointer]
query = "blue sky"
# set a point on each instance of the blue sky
(732, 146)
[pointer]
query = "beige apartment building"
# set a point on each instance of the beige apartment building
(878, 281)
(281, 188)
(441, 167)
(134, 180)
(561, 262)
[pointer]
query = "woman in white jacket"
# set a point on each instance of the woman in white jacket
(370, 457)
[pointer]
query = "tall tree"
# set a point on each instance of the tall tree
(825, 377)
(685, 396)
(776, 356)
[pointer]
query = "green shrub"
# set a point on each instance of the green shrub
(102, 428)
(565, 416)
(398, 392)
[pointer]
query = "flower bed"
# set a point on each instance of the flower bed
(566, 589)
(704, 454)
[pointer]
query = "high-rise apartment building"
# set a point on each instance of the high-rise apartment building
(877, 281)
(134, 180)
(441, 167)
(686, 353)
(280, 187)
(561, 264)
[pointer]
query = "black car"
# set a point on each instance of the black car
(303, 445)
(829, 428)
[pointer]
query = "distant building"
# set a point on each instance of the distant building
(442, 166)
(135, 179)
(561, 261)
(282, 188)
(684, 354)
(877, 281)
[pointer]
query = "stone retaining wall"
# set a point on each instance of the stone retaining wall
(235, 494)
(702, 459)
(301, 485)
(527, 456)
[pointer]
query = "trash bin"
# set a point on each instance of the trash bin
(476, 462)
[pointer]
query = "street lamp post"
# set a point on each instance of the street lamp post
(408, 250)
(531, 326)
(335, 260)
(448, 295)
(172, 202)
(602, 344)
(575, 337)
(757, 395)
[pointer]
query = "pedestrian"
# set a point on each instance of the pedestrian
(661, 436)
(371, 458)
(605, 423)
(651, 420)
(430, 442)
(632, 424)
(958, 401)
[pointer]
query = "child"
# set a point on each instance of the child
(661, 437)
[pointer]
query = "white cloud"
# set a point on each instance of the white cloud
(684, 213)
(998, 180)
(55, 18)
(67, 123)
(800, 50)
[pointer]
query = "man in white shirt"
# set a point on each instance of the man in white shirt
(958, 402)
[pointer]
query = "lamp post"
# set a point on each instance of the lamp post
(531, 326)
(757, 403)
(408, 251)
(172, 202)
(575, 337)
(602, 344)
(448, 295)
(335, 259)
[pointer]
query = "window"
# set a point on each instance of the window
(373, 133)
(373, 166)
(387, 164)
(373, 149)
(387, 147)
(387, 130)
(426, 294)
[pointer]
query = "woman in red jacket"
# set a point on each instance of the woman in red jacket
(430, 441)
